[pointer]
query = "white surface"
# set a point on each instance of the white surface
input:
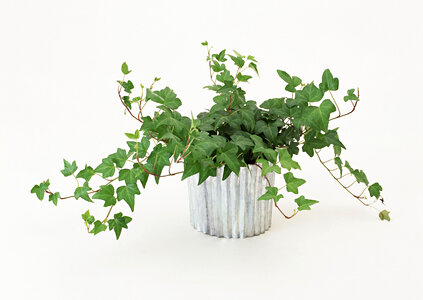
(59, 62)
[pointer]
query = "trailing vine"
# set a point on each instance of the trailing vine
(233, 133)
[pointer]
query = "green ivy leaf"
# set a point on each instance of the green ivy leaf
(310, 93)
(271, 193)
(87, 217)
(304, 204)
(384, 215)
(351, 95)
(98, 227)
(118, 222)
(82, 192)
(238, 60)
(127, 193)
(140, 147)
(318, 117)
(254, 67)
(69, 168)
(292, 183)
(292, 82)
(286, 160)
(140, 174)
(338, 162)
(261, 147)
(205, 43)
(107, 168)
(243, 78)
(266, 168)
(119, 157)
(40, 190)
(86, 173)
(165, 96)
(228, 155)
(106, 193)
(125, 69)
(329, 83)
(54, 198)
(225, 77)
(242, 142)
(375, 190)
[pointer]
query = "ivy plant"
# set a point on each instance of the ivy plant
(233, 133)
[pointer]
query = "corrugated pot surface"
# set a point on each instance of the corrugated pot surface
(230, 208)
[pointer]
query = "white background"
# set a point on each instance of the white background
(59, 64)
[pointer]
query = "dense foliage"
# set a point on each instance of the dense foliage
(233, 133)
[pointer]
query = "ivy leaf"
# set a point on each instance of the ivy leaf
(140, 147)
(82, 192)
(338, 162)
(86, 173)
(119, 157)
(266, 168)
(310, 93)
(98, 227)
(221, 56)
(54, 198)
(384, 215)
(87, 217)
(329, 83)
(292, 183)
(69, 168)
(270, 130)
(238, 60)
(242, 142)
(106, 193)
(165, 96)
(286, 161)
(254, 67)
(190, 168)
(205, 43)
(304, 204)
(133, 136)
(292, 82)
(127, 193)
(40, 190)
(225, 77)
(351, 95)
(125, 69)
(375, 190)
(140, 174)
(118, 222)
(228, 155)
(107, 168)
(261, 147)
(158, 159)
(318, 117)
(271, 193)
(285, 76)
(243, 78)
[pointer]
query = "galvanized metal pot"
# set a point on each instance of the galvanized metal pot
(230, 208)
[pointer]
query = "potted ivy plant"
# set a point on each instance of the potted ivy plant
(231, 152)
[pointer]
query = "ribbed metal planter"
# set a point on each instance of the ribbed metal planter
(230, 208)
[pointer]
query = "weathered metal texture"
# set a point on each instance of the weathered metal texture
(230, 208)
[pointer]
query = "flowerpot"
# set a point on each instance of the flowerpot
(230, 208)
